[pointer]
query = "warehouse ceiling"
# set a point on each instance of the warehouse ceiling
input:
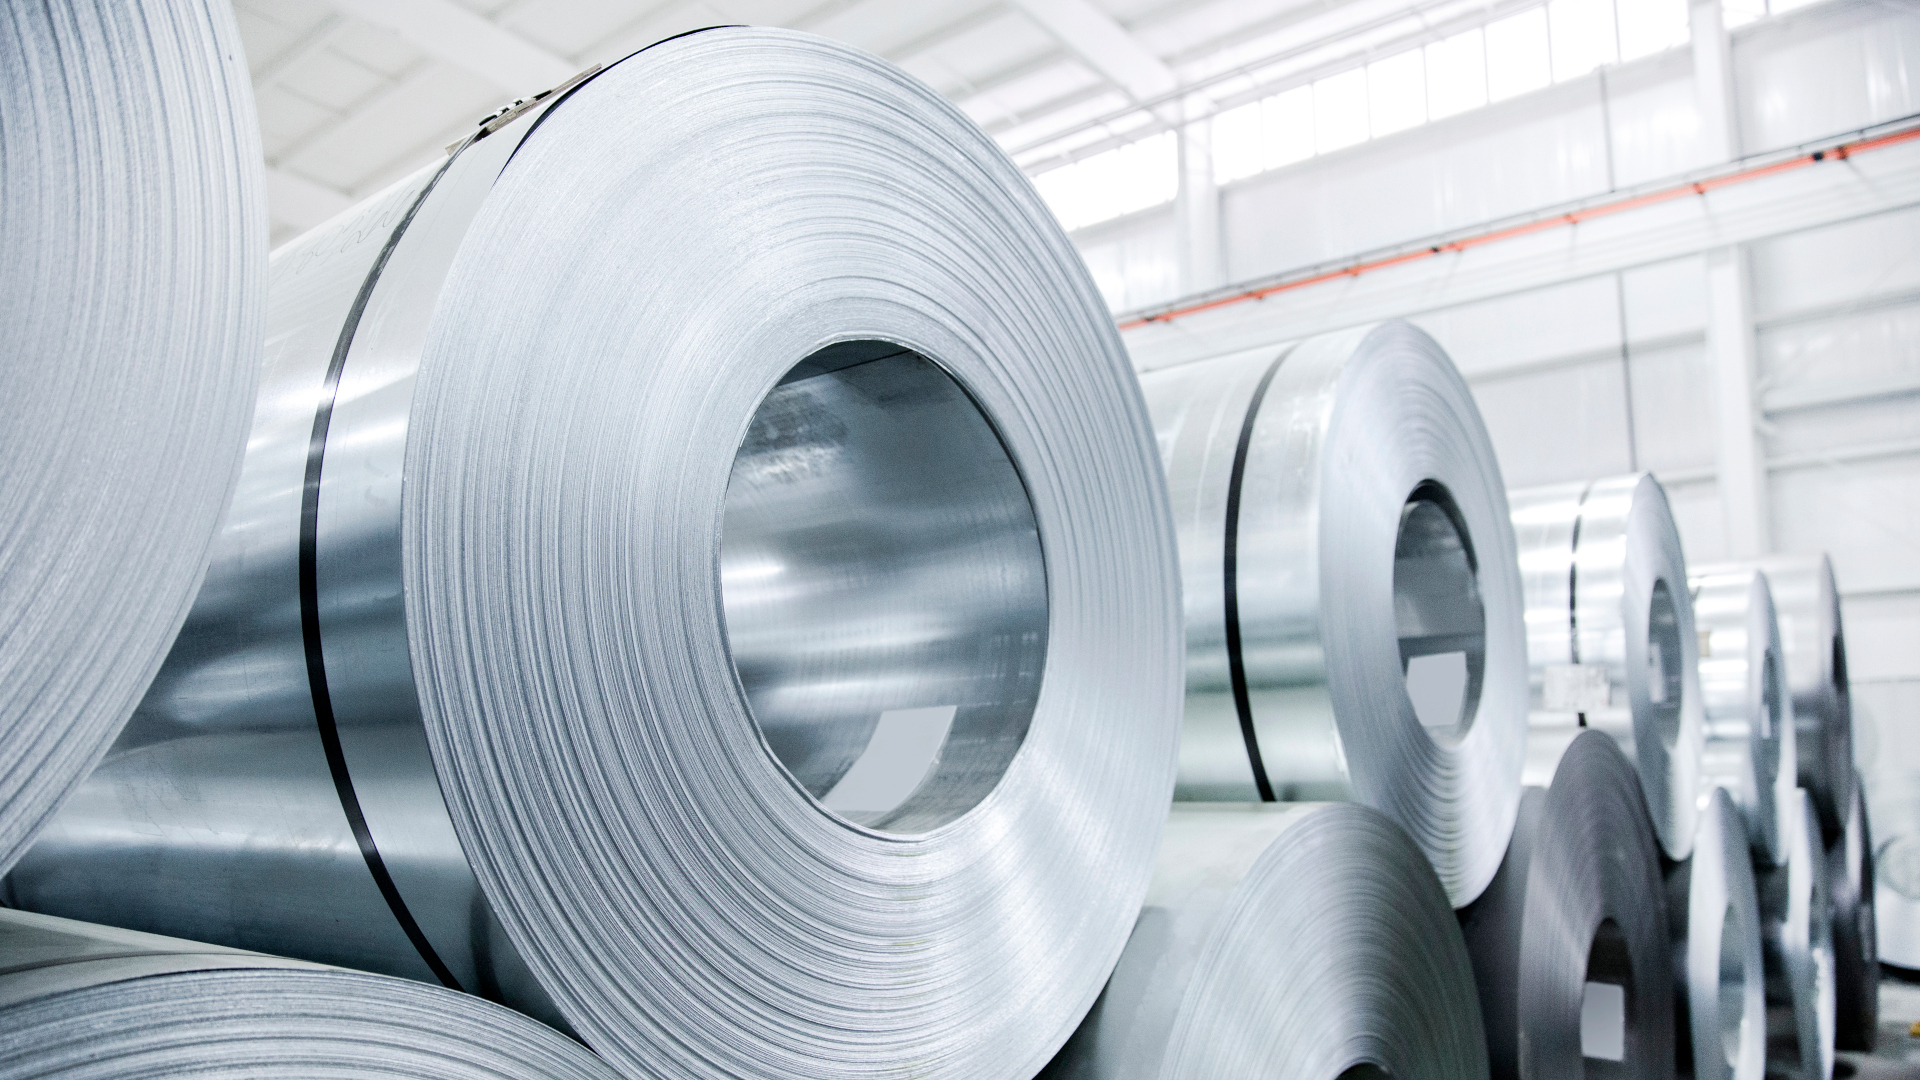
(356, 93)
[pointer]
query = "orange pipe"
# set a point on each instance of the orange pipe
(1839, 152)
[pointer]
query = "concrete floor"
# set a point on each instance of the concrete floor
(1898, 1055)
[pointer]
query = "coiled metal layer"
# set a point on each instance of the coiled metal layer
(1856, 952)
(1806, 602)
(769, 664)
(1353, 606)
(1296, 940)
(1797, 943)
(82, 1001)
(1570, 944)
(1611, 642)
(132, 292)
(1749, 712)
(1721, 1006)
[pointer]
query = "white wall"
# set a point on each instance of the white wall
(1610, 373)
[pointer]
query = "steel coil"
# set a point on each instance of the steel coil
(80, 1002)
(1353, 606)
(1813, 645)
(1307, 941)
(1570, 944)
(1856, 955)
(1611, 642)
(1797, 944)
(725, 588)
(1714, 913)
(1743, 683)
(132, 293)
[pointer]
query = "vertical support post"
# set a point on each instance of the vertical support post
(1713, 80)
(1741, 455)
(1197, 207)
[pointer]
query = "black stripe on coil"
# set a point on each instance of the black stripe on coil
(310, 602)
(1573, 584)
(1230, 574)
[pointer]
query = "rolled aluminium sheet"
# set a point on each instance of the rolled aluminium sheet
(1345, 548)
(80, 1001)
(1797, 944)
(132, 293)
(1611, 642)
(1571, 949)
(769, 665)
(1806, 602)
(1714, 914)
(1749, 713)
(1308, 941)
(1856, 956)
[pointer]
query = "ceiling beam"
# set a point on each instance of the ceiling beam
(445, 30)
(1105, 45)
(300, 202)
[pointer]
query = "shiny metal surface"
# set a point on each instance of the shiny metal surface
(1610, 626)
(1294, 940)
(595, 661)
(1749, 711)
(222, 786)
(1353, 606)
(81, 1001)
(563, 585)
(1807, 604)
(1797, 944)
(884, 587)
(1856, 945)
(1714, 913)
(132, 293)
(1578, 904)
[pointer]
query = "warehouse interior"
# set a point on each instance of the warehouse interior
(1106, 446)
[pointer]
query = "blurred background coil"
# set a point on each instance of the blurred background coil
(786, 602)
(1714, 914)
(1813, 645)
(1797, 943)
(1297, 940)
(132, 293)
(1352, 601)
(1611, 642)
(81, 1001)
(1856, 956)
(1749, 713)
(1570, 944)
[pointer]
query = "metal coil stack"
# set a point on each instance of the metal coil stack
(1353, 605)
(1304, 940)
(1570, 944)
(79, 1000)
(686, 635)
(132, 293)
(704, 578)
(1611, 642)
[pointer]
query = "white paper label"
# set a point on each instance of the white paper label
(1577, 688)
(1603, 1022)
(905, 747)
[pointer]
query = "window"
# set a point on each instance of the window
(1651, 26)
(1397, 93)
(1108, 185)
(1550, 42)
(1340, 110)
(1517, 56)
(1456, 74)
(1582, 36)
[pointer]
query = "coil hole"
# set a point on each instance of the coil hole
(1438, 614)
(1665, 675)
(884, 591)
